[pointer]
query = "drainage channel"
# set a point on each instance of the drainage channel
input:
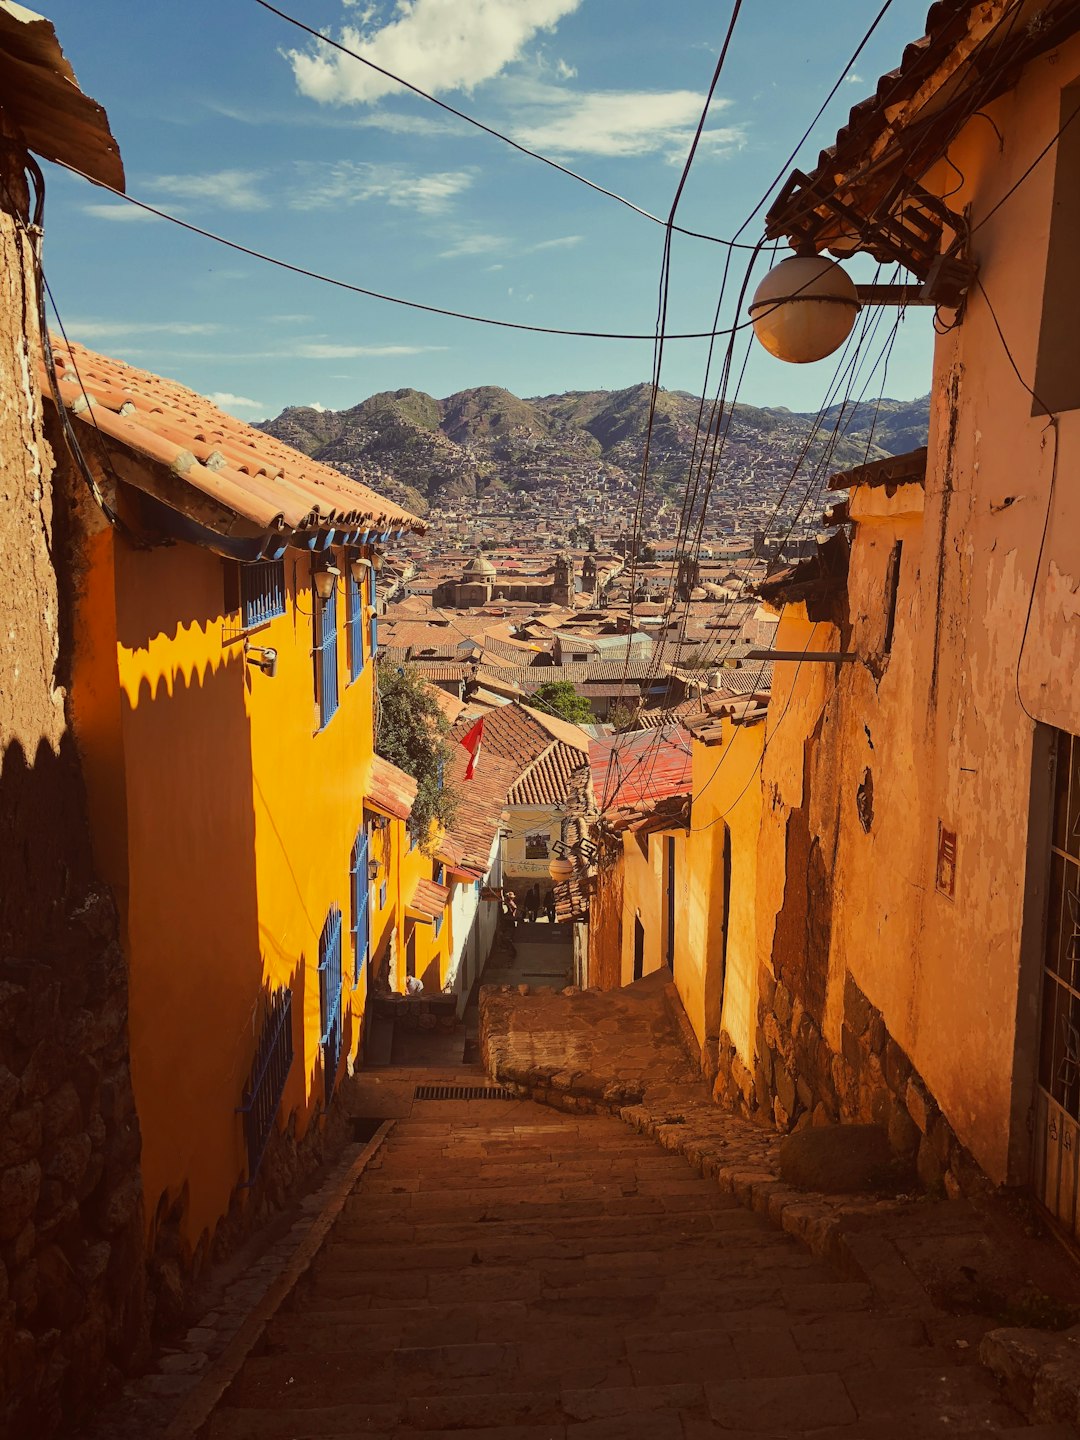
(462, 1092)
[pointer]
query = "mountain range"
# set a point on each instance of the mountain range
(425, 453)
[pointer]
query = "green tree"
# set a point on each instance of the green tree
(413, 734)
(560, 698)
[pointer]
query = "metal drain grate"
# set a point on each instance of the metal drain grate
(462, 1092)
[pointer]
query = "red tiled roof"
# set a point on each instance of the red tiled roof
(644, 765)
(429, 897)
(547, 779)
(467, 843)
(233, 481)
(390, 789)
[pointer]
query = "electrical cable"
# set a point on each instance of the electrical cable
(492, 131)
(397, 299)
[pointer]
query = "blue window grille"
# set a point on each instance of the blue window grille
(266, 1083)
(262, 592)
(374, 618)
(438, 878)
(361, 916)
(326, 655)
(330, 996)
(354, 623)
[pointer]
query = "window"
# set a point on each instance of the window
(438, 878)
(330, 996)
(361, 917)
(262, 592)
(892, 592)
(1057, 376)
(324, 620)
(374, 618)
(266, 1083)
(382, 896)
(354, 622)
(536, 845)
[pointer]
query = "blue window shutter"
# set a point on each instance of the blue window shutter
(374, 617)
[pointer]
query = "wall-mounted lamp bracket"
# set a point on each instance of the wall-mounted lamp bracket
(261, 657)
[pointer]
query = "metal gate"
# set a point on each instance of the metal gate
(1056, 1138)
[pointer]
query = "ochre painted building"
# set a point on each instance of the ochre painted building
(223, 698)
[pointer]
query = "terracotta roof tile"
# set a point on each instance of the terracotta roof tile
(547, 779)
(390, 789)
(227, 476)
(429, 898)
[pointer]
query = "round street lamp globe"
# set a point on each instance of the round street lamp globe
(804, 309)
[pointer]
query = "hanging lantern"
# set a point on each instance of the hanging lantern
(804, 309)
(560, 870)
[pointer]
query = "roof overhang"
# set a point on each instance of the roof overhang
(42, 97)
(864, 193)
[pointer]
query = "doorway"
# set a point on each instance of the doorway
(1056, 1130)
(639, 948)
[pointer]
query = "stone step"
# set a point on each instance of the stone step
(732, 1223)
(496, 1244)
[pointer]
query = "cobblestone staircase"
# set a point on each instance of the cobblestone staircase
(507, 1272)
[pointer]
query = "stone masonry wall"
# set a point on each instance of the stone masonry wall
(72, 1304)
(798, 1080)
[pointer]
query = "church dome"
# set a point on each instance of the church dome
(479, 568)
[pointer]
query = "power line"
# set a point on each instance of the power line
(492, 131)
(397, 299)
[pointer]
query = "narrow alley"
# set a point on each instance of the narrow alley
(502, 1269)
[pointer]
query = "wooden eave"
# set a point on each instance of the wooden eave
(893, 471)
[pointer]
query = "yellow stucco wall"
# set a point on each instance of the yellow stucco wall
(726, 799)
(225, 824)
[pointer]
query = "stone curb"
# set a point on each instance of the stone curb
(199, 1403)
(815, 1219)
(1040, 1371)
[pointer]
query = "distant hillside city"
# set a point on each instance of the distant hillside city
(484, 466)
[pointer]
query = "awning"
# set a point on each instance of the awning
(389, 789)
(428, 901)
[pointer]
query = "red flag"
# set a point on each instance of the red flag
(472, 740)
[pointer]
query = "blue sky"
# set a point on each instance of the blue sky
(232, 119)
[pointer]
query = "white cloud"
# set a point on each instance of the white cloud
(349, 182)
(854, 80)
(229, 189)
(117, 211)
(564, 71)
(561, 242)
(328, 351)
(226, 400)
(439, 45)
(114, 329)
(315, 405)
(621, 122)
(473, 245)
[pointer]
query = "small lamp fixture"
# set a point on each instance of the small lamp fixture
(560, 870)
(262, 658)
(325, 581)
(358, 568)
(374, 870)
(804, 308)
(376, 561)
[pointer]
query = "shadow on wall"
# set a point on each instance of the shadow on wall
(196, 966)
(71, 1229)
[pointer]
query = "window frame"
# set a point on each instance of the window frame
(259, 604)
(325, 655)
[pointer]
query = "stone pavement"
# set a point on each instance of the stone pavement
(506, 1271)
(627, 1053)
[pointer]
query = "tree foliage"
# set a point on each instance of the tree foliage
(413, 734)
(560, 697)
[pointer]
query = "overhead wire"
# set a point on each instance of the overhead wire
(337, 283)
(491, 130)
(661, 320)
